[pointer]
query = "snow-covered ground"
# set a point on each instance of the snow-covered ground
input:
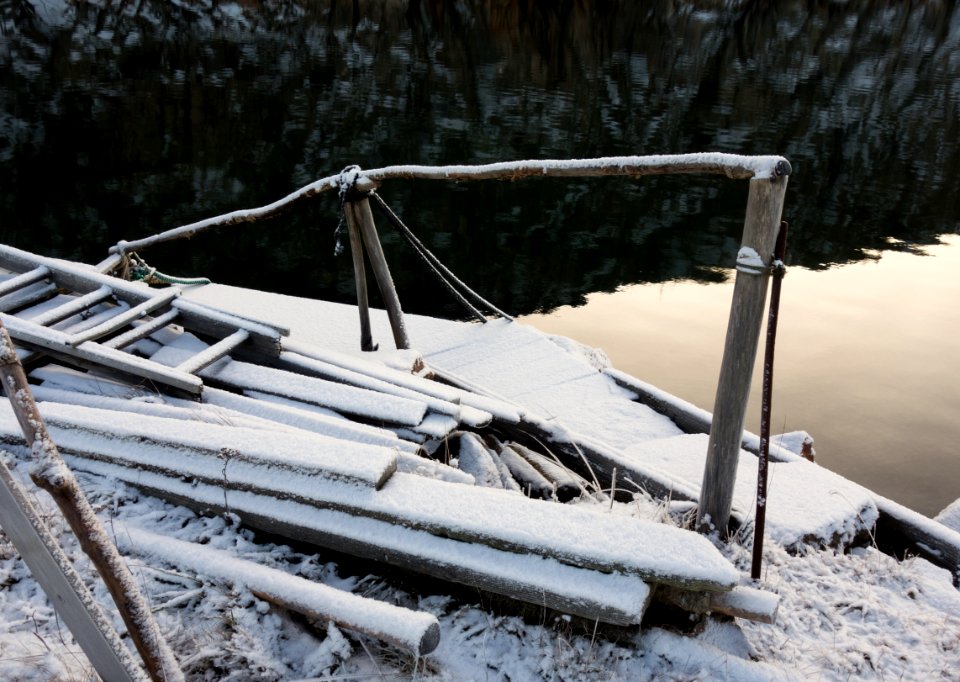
(855, 615)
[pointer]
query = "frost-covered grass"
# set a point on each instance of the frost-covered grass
(859, 615)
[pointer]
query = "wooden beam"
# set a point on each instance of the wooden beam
(359, 276)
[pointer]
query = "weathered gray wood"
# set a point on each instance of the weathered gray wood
(71, 308)
(742, 601)
(359, 276)
(476, 565)
(378, 262)
(412, 630)
(91, 354)
(531, 481)
(27, 296)
(51, 568)
(50, 473)
(264, 341)
(156, 302)
(23, 279)
(730, 165)
(141, 331)
(762, 222)
(218, 350)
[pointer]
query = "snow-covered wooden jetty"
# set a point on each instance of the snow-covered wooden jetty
(448, 456)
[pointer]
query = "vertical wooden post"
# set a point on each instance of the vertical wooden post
(762, 222)
(360, 276)
(363, 220)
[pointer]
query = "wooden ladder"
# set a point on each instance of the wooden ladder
(134, 312)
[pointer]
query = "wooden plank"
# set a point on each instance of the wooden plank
(218, 350)
(89, 353)
(71, 308)
(416, 631)
(743, 601)
(761, 225)
(142, 330)
(123, 319)
(608, 597)
(23, 279)
(264, 341)
(65, 589)
(359, 277)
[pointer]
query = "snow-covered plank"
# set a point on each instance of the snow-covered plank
(89, 353)
(229, 454)
(436, 425)
(416, 631)
(610, 597)
(805, 502)
(346, 399)
(142, 330)
(207, 357)
(27, 296)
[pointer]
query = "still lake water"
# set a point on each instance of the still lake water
(120, 120)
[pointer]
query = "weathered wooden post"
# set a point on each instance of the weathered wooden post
(359, 276)
(762, 222)
(360, 220)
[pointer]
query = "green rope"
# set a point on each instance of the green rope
(140, 271)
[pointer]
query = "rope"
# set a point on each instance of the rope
(447, 278)
(347, 182)
(139, 271)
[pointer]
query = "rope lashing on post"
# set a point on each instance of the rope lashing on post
(138, 270)
(347, 182)
(453, 284)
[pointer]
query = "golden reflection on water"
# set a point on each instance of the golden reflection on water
(867, 361)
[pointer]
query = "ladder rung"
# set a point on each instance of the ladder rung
(56, 342)
(23, 279)
(71, 308)
(214, 352)
(26, 297)
(143, 330)
(126, 318)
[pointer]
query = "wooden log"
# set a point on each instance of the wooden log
(608, 597)
(65, 589)
(742, 601)
(565, 485)
(474, 458)
(730, 165)
(416, 631)
(50, 473)
(531, 481)
(761, 225)
(73, 307)
(359, 276)
(23, 279)
(378, 262)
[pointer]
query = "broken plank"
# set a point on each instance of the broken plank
(416, 631)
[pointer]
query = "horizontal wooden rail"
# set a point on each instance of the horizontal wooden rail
(730, 165)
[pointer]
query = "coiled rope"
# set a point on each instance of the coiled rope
(137, 269)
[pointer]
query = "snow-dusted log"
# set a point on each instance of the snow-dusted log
(730, 165)
(417, 631)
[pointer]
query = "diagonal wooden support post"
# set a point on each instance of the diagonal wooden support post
(51, 473)
(762, 222)
(360, 221)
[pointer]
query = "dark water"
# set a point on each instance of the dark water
(123, 119)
